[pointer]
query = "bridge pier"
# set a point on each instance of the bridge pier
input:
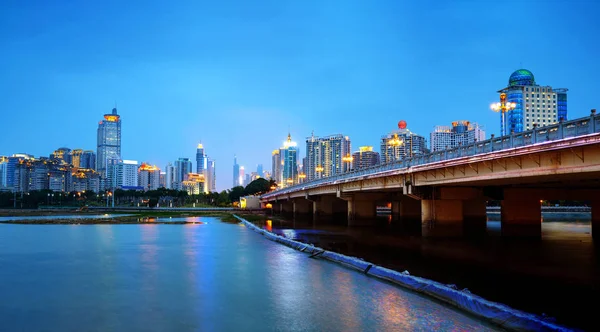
(286, 208)
(442, 217)
(521, 217)
(596, 219)
(408, 212)
(303, 208)
(329, 208)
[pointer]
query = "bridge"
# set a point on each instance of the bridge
(448, 190)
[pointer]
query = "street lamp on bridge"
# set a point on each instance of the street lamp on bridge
(503, 106)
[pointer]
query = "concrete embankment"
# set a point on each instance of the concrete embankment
(496, 313)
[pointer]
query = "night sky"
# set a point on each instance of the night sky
(236, 75)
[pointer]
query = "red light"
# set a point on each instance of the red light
(402, 124)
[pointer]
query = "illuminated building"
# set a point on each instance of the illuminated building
(88, 160)
(109, 142)
(534, 104)
(76, 157)
(63, 154)
(401, 144)
(276, 166)
(162, 181)
(460, 133)
(126, 174)
(148, 177)
(289, 158)
(57, 180)
(236, 173)
(171, 177)
(12, 181)
(327, 156)
(201, 159)
(365, 157)
(85, 179)
(3, 172)
(194, 184)
(259, 170)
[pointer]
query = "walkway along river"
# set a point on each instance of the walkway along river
(194, 277)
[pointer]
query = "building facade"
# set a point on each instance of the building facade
(184, 167)
(290, 162)
(276, 166)
(171, 178)
(460, 133)
(534, 104)
(236, 172)
(327, 156)
(109, 142)
(211, 176)
(148, 177)
(401, 144)
(126, 175)
(365, 157)
(88, 160)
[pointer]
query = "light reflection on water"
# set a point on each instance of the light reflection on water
(155, 277)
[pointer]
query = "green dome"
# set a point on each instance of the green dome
(521, 77)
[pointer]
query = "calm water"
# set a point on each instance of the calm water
(205, 277)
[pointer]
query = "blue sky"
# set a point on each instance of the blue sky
(237, 74)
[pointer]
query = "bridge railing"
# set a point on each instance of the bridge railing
(558, 131)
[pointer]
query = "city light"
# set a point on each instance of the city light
(319, 168)
(503, 106)
(395, 141)
(347, 158)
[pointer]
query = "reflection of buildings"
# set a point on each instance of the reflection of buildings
(460, 133)
(148, 177)
(327, 156)
(365, 157)
(401, 144)
(109, 141)
(539, 105)
(194, 184)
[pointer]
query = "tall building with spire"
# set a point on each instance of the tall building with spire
(201, 159)
(109, 142)
(290, 164)
(236, 172)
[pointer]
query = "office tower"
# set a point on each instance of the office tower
(236, 172)
(184, 167)
(259, 170)
(171, 177)
(364, 157)
(534, 104)
(400, 144)
(327, 156)
(201, 159)
(276, 167)
(211, 176)
(126, 174)
(460, 133)
(88, 160)
(109, 142)
(163, 180)
(149, 177)
(3, 172)
(76, 157)
(11, 168)
(290, 167)
(242, 177)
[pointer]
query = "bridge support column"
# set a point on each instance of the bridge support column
(442, 217)
(329, 208)
(361, 211)
(521, 217)
(287, 208)
(596, 219)
(408, 212)
(474, 217)
(302, 208)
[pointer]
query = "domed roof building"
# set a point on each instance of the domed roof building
(535, 105)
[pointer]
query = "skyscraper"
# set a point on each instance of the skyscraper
(236, 172)
(534, 104)
(149, 177)
(171, 177)
(109, 141)
(290, 167)
(327, 156)
(126, 174)
(88, 160)
(364, 157)
(76, 157)
(200, 159)
(242, 177)
(184, 167)
(211, 176)
(259, 170)
(63, 154)
(400, 144)
(276, 167)
(460, 133)
(3, 172)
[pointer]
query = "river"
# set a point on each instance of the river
(195, 277)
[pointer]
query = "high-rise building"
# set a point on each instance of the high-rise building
(76, 157)
(63, 154)
(276, 166)
(534, 104)
(400, 144)
(201, 159)
(149, 177)
(88, 160)
(290, 162)
(3, 172)
(194, 184)
(109, 141)
(163, 179)
(171, 177)
(327, 156)
(11, 167)
(242, 178)
(460, 133)
(184, 167)
(364, 157)
(126, 176)
(259, 170)
(236, 172)
(211, 176)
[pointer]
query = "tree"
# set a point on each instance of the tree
(235, 193)
(257, 186)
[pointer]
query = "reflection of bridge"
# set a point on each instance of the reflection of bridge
(451, 187)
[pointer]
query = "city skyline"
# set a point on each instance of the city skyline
(350, 75)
